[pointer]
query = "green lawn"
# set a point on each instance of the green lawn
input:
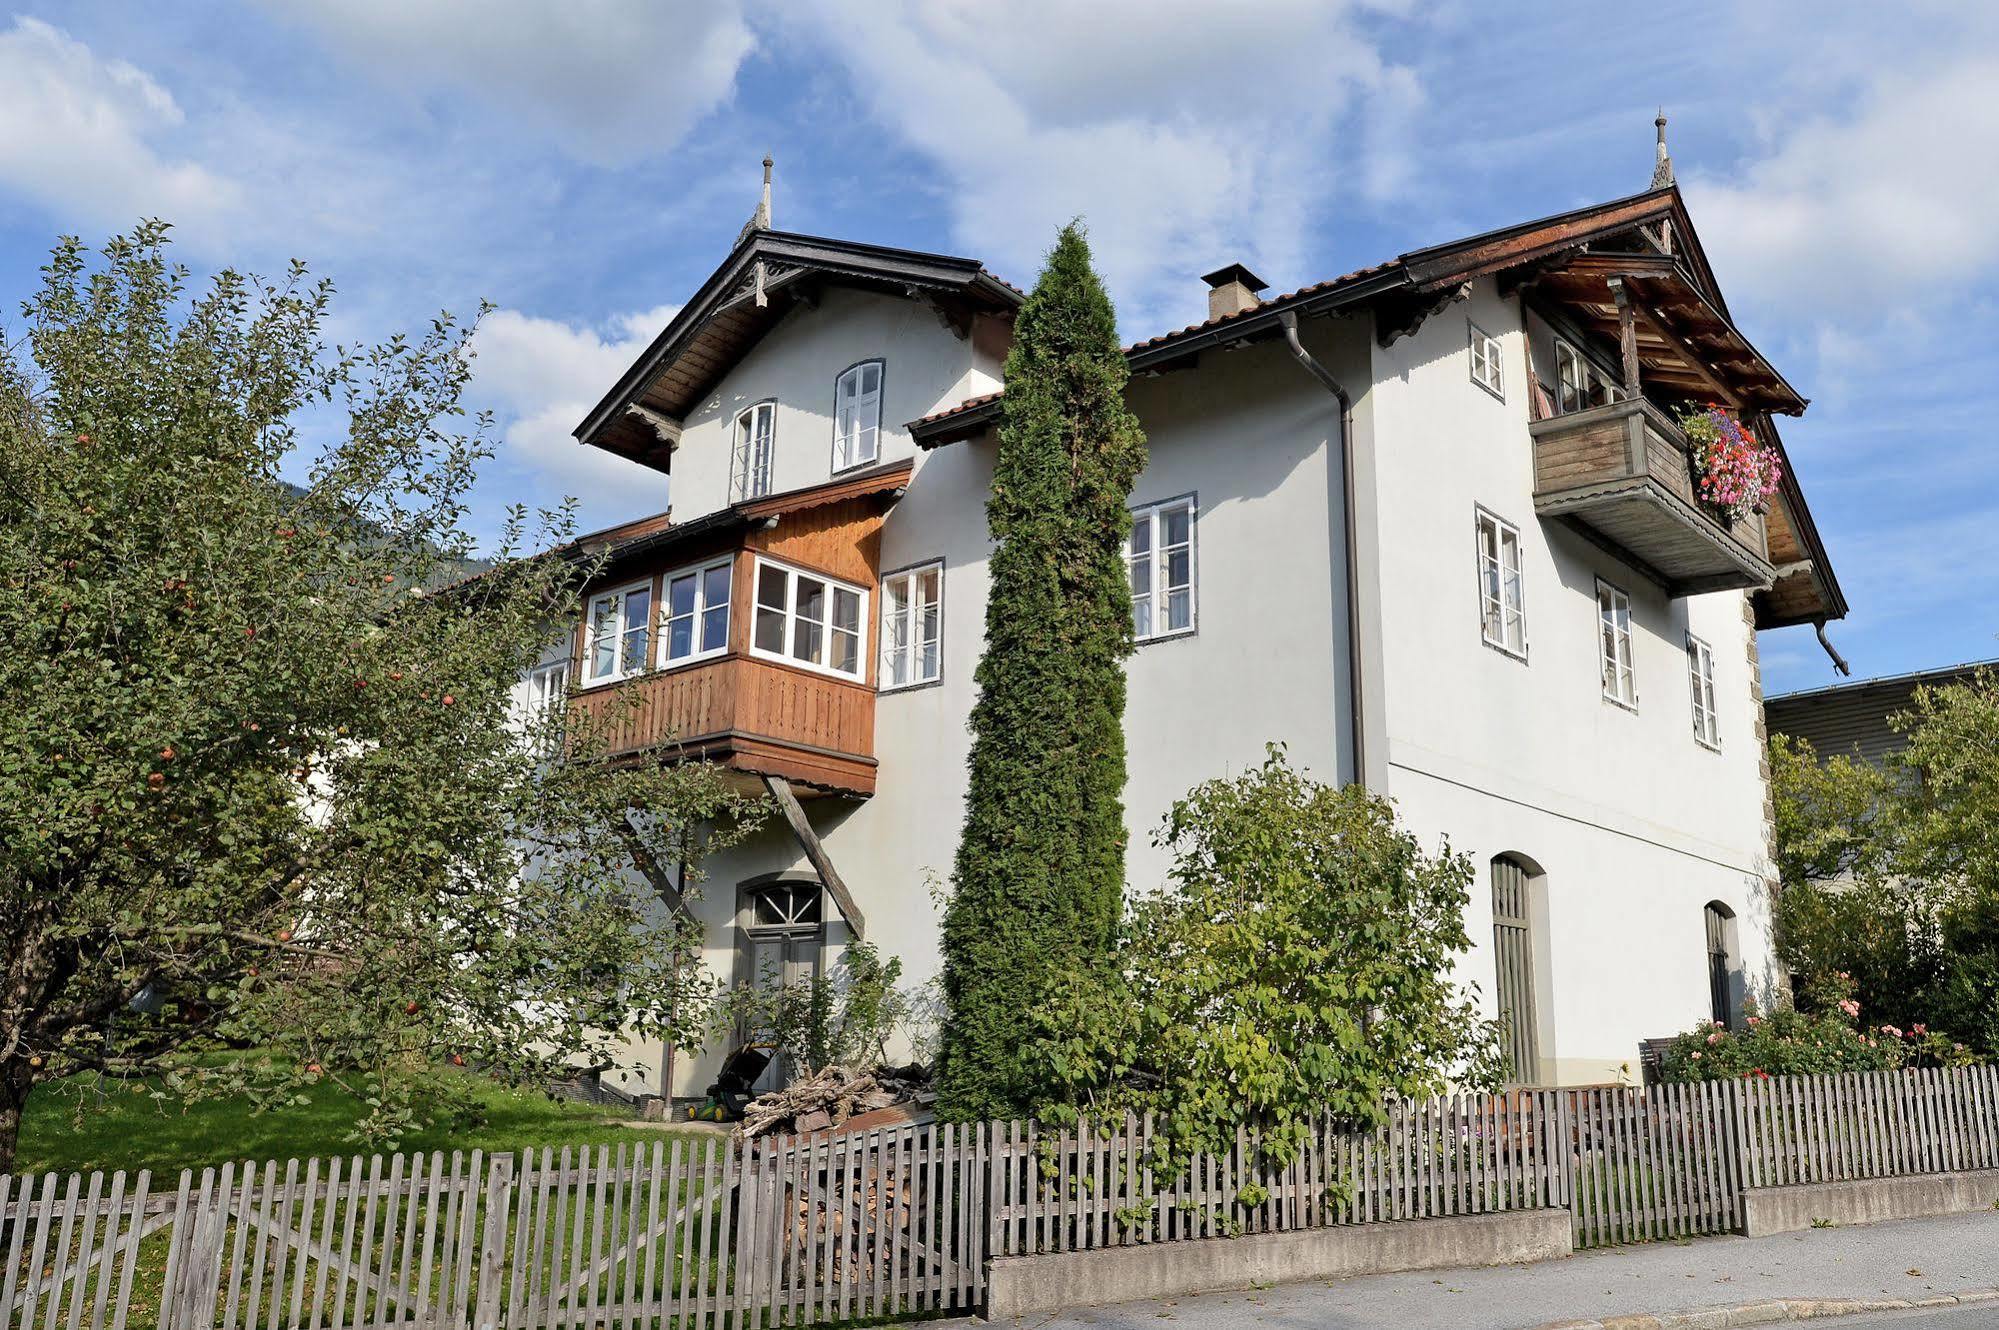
(131, 1131)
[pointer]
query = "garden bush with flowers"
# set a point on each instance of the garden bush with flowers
(1824, 1042)
(1734, 472)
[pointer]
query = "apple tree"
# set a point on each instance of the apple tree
(268, 810)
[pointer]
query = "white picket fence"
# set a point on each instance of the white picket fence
(694, 1233)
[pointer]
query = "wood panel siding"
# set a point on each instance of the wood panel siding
(842, 539)
(1621, 475)
(743, 713)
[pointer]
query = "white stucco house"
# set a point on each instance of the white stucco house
(1430, 524)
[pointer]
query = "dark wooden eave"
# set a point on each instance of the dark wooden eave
(640, 417)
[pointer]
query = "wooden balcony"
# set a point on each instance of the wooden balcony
(1621, 475)
(746, 714)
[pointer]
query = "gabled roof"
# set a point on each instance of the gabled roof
(1579, 249)
(765, 275)
(1409, 278)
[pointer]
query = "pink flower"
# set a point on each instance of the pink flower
(1891, 1032)
(1849, 1006)
(1714, 1038)
(1758, 1020)
(1919, 1029)
(1697, 1055)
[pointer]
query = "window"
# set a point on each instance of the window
(1502, 612)
(547, 686)
(1613, 607)
(749, 467)
(857, 415)
(697, 613)
(618, 633)
(1700, 677)
(1580, 385)
(547, 689)
(1161, 560)
(912, 624)
(1571, 379)
(809, 620)
(1485, 371)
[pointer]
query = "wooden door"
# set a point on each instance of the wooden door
(1513, 955)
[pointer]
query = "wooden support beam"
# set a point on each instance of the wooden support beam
(1627, 334)
(815, 853)
(649, 868)
(1695, 361)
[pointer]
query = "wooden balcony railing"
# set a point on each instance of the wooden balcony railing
(1622, 475)
(744, 713)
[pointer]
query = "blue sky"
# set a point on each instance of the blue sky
(584, 165)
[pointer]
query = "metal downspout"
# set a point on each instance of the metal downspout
(1288, 320)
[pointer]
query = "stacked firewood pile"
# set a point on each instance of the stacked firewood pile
(830, 1097)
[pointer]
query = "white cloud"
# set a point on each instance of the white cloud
(1186, 134)
(540, 376)
(613, 81)
(1871, 203)
(83, 136)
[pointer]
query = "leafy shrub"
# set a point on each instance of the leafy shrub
(1822, 1042)
(1300, 964)
(845, 1018)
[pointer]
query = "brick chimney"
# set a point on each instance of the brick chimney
(1232, 290)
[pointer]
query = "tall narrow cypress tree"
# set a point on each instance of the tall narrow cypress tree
(1040, 871)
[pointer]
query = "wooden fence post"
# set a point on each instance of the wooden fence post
(493, 1245)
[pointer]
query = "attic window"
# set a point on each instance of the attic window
(857, 415)
(1485, 371)
(749, 466)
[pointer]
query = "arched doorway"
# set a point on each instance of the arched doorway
(1516, 890)
(780, 943)
(1723, 966)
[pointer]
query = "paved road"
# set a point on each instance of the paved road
(1918, 1259)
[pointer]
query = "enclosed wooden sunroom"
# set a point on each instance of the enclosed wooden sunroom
(746, 638)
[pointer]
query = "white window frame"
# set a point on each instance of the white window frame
(1700, 682)
(791, 620)
(1565, 351)
(1485, 353)
(548, 684)
(1591, 381)
(867, 409)
(751, 451)
(622, 669)
(699, 614)
(911, 647)
(1493, 601)
(547, 692)
(1616, 668)
(1151, 515)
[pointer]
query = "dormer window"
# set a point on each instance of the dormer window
(857, 415)
(756, 438)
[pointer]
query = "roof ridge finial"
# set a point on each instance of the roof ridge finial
(1662, 169)
(760, 219)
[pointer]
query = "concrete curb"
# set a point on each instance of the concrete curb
(1771, 1312)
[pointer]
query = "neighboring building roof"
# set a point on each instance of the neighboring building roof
(886, 481)
(1851, 719)
(764, 276)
